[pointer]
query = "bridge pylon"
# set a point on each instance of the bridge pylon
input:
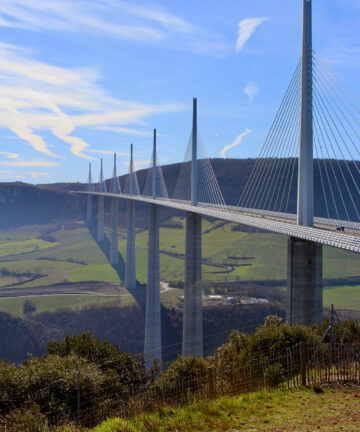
(304, 263)
(130, 271)
(100, 231)
(114, 252)
(192, 318)
(89, 205)
(152, 345)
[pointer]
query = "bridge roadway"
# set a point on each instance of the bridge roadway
(280, 223)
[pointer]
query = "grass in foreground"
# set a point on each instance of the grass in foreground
(300, 410)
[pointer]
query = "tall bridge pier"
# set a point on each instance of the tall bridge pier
(100, 231)
(114, 246)
(130, 273)
(192, 318)
(152, 346)
(89, 206)
(304, 263)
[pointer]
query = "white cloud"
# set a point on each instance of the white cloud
(9, 155)
(251, 89)
(11, 175)
(122, 130)
(36, 97)
(30, 163)
(236, 142)
(124, 20)
(246, 29)
(36, 175)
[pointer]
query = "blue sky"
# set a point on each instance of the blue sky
(82, 79)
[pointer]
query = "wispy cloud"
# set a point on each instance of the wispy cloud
(235, 143)
(251, 89)
(246, 29)
(124, 20)
(122, 130)
(10, 155)
(36, 96)
(36, 175)
(30, 163)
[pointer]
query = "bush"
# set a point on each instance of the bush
(115, 425)
(131, 374)
(29, 307)
(184, 377)
(28, 418)
(51, 383)
(274, 374)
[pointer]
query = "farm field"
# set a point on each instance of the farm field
(28, 260)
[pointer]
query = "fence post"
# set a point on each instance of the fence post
(78, 396)
(302, 364)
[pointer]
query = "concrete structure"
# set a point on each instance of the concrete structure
(130, 270)
(100, 231)
(152, 345)
(192, 317)
(304, 282)
(304, 272)
(89, 209)
(305, 198)
(306, 233)
(114, 250)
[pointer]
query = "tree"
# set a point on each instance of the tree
(29, 307)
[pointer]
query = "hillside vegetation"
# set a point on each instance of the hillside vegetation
(299, 410)
(82, 378)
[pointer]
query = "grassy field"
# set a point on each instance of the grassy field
(76, 257)
(300, 411)
(52, 303)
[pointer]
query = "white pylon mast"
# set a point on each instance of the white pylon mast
(305, 203)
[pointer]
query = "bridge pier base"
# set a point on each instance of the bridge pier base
(100, 232)
(130, 274)
(152, 347)
(304, 282)
(192, 318)
(114, 251)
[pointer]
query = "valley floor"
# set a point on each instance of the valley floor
(300, 411)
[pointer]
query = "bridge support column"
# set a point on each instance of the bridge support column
(304, 282)
(192, 318)
(152, 347)
(130, 274)
(89, 209)
(100, 232)
(114, 253)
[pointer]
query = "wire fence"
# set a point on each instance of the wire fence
(300, 365)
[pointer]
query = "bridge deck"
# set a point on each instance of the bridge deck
(270, 221)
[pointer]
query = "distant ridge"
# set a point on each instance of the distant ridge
(25, 204)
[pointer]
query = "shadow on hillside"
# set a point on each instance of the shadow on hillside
(139, 292)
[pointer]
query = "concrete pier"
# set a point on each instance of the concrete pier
(100, 232)
(114, 251)
(152, 347)
(130, 274)
(192, 319)
(130, 271)
(304, 282)
(89, 208)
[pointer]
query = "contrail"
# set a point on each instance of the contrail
(236, 142)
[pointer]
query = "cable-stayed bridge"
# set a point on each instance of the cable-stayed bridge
(313, 145)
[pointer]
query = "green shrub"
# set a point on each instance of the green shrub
(184, 377)
(115, 425)
(28, 418)
(274, 375)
